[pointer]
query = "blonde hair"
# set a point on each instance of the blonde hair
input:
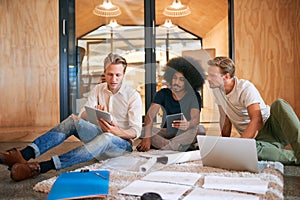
(114, 59)
(225, 64)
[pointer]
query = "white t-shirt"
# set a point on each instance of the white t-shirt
(125, 106)
(236, 102)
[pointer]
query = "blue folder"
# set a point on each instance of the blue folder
(76, 185)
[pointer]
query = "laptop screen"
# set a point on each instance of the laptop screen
(228, 153)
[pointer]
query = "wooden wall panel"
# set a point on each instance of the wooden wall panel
(29, 64)
(218, 38)
(267, 47)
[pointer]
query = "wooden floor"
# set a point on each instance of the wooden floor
(209, 119)
(23, 134)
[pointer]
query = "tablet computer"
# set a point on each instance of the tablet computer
(170, 119)
(94, 114)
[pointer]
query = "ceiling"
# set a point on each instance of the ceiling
(205, 14)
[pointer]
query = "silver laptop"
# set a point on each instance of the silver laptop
(228, 153)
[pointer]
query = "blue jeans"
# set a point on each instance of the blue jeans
(96, 143)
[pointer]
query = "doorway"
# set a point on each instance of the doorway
(84, 27)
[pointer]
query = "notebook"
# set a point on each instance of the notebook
(80, 185)
(228, 153)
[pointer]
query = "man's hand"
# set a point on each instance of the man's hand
(109, 127)
(256, 121)
(181, 124)
(115, 130)
(101, 107)
(74, 117)
(144, 145)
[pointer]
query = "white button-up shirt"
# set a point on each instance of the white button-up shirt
(125, 106)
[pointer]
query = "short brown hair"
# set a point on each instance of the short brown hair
(226, 65)
(114, 59)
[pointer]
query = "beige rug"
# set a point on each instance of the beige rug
(123, 173)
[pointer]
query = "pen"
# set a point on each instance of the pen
(100, 175)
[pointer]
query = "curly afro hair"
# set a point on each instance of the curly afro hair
(189, 67)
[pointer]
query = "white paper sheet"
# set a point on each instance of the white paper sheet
(125, 163)
(184, 178)
(165, 190)
(200, 193)
(173, 157)
(243, 184)
(183, 157)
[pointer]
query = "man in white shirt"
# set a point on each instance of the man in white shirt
(275, 128)
(110, 139)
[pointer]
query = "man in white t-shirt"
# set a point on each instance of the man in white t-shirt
(275, 128)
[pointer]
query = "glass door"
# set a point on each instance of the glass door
(130, 34)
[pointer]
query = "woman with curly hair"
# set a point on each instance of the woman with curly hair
(185, 77)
